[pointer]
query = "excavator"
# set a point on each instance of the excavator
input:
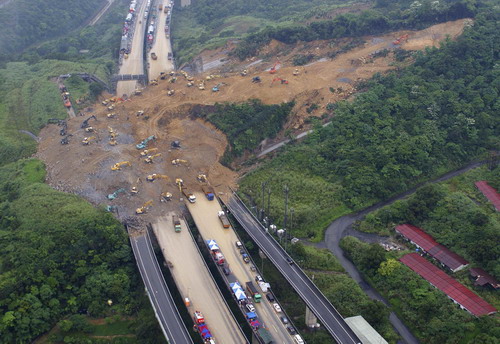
(149, 159)
(118, 165)
(217, 87)
(65, 140)
(147, 152)
(86, 140)
(283, 81)
(165, 196)
(144, 207)
(144, 142)
(256, 79)
(180, 184)
(153, 82)
(170, 92)
(85, 123)
(115, 194)
(273, 68)
(202, 178)
(244, 72)
(154, 176)
(178, 162)
(89, 129)
(112, 142)
(401, 39)
(134, 189)
(296, 72)
(111, 115)
(201, 86)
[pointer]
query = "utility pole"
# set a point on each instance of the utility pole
(286, 206)
(261, 213)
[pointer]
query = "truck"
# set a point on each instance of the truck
(216, 253)
(189, 195)
(265, 335)
(208, 191)
(153, 56)
(223, 219)
(253, 292)
(169, 56)
(264, 286)
(177, 223)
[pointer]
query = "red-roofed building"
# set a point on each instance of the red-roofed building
(426, 243)
(491, 194)
(461, 295)
(483, 278)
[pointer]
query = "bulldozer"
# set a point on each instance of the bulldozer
(149, 159)
(118, 165)
(115, 194)
(86, 140)
(178, 162)
(154, 176)
(147, 152)
(144, 207)
(165, 196)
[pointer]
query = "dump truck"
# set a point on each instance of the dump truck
(223, 219)
(176, 222)
(253, 292)
(208, 191)
(189, 195)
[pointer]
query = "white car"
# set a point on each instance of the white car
(250, 307)
(277, 307)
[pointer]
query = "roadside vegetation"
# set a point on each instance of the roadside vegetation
(404, 128)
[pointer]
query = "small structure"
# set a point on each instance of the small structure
(482, 278)
(365, 332)
(491, 194)
(426, 243)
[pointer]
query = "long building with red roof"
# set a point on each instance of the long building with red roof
(491, 194)
(426, 243)
(456, 291)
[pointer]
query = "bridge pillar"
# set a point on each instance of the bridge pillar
(311, 320)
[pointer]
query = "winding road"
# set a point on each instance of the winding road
(341, 227)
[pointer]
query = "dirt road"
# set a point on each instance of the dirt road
(134, 63)
(195, 282)
(161, 48)
(204, 213)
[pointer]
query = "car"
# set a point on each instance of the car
(242, 251)
(270, 297)
(277, 307)
(238, 244)
(284, 320)
(250, 307)
(246, 259)
(226, 270)
(291, 330)
(258, 279)
(298, 339)
(289, 260)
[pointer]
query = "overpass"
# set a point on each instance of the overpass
(312, 296)
(160, 297)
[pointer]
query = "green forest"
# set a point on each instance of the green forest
(402, 129)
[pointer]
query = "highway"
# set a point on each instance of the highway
(204, 213)
(159, 295)
(312, 296)
(194, 281)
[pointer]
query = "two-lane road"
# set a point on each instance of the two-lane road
(159, 295)
(312, 296)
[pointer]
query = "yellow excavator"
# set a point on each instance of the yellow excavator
(144, 207)
(118, 165)
(154, 176)
(150, 158)
(180, 184)
(178, 161)
(147, 152)
(202, 178)
(86, 140)
(112, 142)
(111, 115)
(110, 130)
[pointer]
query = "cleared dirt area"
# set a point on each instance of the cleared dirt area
(194, 281)
(86, 169)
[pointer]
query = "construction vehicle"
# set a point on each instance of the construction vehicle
(223, 219)
(86, 140)
(202, 178)
(401, 39)
(118, 165)
(163, 75)
(153, 56)
(149, 159)
(180, 183)
(111, 115)
(154, 176)
(137, 92)
(256, 79)
(244, 72)
(115, 194)
(144, 207)
(217, 87)
(177, 162)
(110, 130)
(175, 144)
(190, 84)
(112, 208)
(65, 140)
(111, 107)
(177, 223)
(215, 251)
(208, 191)
(153, 82)
(201, 86)
(85, 123)
(283, 81)
(172, 80)
(296, 72)
(189, 195)
(125, 56)
(166, 196)
(112, 142)
(89, 129)
(144, 143)
(273, 68)
(147, 152)
(134, 189)
(253, 292)
(139, 113)
(170, 92)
